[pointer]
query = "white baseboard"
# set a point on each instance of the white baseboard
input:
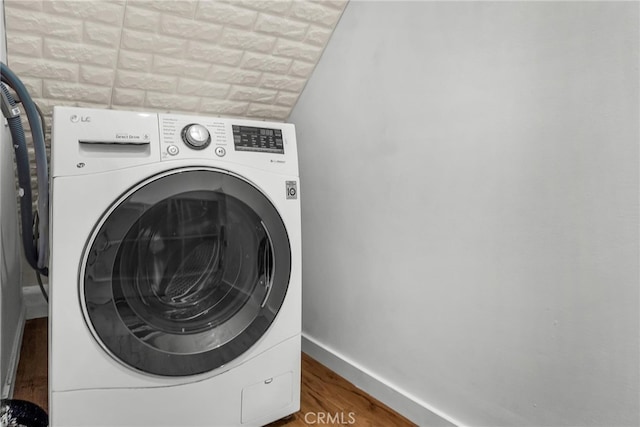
(9, 382)
(34, 302)
(402, 402)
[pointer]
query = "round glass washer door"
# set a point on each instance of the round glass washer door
(185, 272)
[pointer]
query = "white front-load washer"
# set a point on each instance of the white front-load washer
(175, 270)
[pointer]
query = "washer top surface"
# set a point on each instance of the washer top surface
(91, 141)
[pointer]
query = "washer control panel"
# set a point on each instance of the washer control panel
(97, 140)
(253, 142)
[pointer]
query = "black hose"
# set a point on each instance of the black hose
(41, 285)
(24, 182)
(36, 227)
(37, 132)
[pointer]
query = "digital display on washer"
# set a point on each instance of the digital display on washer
(263, 140)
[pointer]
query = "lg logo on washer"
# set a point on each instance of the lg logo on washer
(76, 119)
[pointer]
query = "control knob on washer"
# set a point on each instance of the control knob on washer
(196, 136)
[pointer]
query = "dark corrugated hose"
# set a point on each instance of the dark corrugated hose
(35, 249)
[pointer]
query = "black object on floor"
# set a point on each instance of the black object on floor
(14, 413)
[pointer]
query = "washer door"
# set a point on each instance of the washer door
(185, 272)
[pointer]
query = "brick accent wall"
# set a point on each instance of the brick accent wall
(246, 58)
(249, 58)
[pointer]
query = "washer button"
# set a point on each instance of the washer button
(220, 151)
(172, 150)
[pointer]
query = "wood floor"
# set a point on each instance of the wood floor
(326, 398)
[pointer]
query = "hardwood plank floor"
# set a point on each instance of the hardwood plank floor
(326, 397)
(32, 380)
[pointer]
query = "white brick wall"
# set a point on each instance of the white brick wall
(248, 58)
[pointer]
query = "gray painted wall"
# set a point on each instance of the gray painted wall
(11, 310)
(470, 206)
